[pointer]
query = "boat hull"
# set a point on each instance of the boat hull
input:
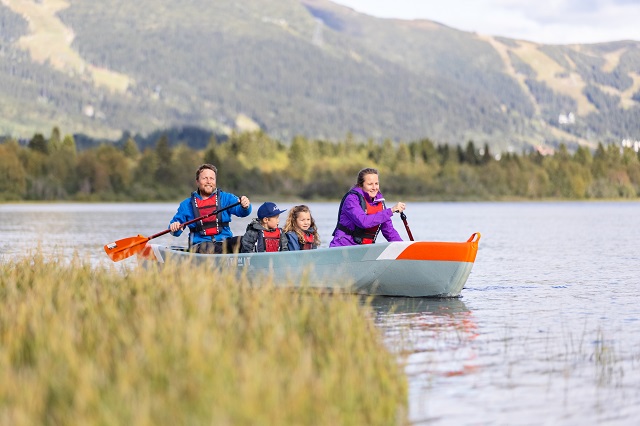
(409, 269)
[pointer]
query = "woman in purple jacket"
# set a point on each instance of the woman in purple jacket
(363, 214)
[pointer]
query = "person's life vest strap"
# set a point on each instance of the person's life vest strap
(308, 241)
(211, 225)
(361, 235)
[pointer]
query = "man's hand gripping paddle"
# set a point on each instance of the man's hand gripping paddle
(127, 247)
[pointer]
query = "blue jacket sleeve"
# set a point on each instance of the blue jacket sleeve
(227, 199)
(294, 243)
(184, 214)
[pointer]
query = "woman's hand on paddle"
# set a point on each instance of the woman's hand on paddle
(398, 208)
(175, 226)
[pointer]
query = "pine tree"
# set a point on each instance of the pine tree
(39, 143)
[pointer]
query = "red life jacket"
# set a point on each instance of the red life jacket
(211, 225)
(370, 234)
(361, 235)
(271, 240)
(309, 241)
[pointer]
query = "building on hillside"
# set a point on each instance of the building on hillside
(630, 143)
(567, 119)
(544, 150)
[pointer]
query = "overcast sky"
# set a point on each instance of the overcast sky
(542, 21)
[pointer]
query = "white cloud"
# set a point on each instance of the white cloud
(543, 21)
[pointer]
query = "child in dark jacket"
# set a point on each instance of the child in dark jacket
(263, 233)
(301, 229)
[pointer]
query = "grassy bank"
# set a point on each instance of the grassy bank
(87, 345)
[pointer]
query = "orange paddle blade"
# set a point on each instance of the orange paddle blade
(125, 247)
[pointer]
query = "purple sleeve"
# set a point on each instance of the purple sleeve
(389, 232)
(360, 218)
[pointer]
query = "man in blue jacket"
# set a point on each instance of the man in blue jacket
(213, 234)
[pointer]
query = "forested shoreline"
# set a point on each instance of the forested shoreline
(47, 169)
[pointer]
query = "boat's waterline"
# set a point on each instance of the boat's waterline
(410, 269)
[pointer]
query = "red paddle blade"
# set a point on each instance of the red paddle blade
(125, 247)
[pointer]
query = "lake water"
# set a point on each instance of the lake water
(547, 330)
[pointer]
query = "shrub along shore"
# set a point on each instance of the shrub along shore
(255, 164)
(81, 344)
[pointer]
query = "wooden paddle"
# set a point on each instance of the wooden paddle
(127, 247)
(406, 225)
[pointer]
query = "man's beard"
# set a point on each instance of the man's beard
(207, 191)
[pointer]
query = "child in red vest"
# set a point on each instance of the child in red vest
(263, 233)
(301, 229)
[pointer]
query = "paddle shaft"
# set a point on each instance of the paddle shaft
(127, 247)
(406, 225)
(189, 222)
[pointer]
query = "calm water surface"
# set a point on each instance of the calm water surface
(547, 330)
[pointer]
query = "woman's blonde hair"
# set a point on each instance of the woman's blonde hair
(291, 224)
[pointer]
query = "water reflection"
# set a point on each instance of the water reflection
(423, 329)
(547, 331)
(434, 338)
(386, 305)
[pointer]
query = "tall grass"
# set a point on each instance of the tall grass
(185, 345)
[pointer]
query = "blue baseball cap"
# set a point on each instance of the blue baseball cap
(269, 209)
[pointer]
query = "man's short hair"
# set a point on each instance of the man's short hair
(206, 166)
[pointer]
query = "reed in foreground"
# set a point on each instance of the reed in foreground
(91, 345)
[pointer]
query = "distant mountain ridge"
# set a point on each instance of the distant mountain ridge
(302, 67)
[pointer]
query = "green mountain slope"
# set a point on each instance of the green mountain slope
(306, 67)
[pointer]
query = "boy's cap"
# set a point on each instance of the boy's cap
(269, 209)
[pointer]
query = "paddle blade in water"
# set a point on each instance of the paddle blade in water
(125, 247)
